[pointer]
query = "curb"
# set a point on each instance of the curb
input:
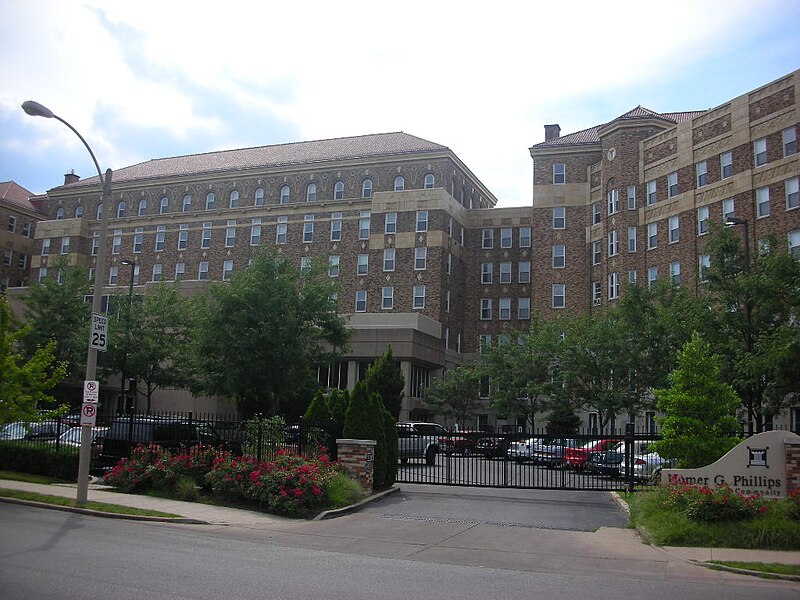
(762, 574)
(108, 515)
(340, 512)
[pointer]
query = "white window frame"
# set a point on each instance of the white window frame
(227, 269)
(674, 229)
(205, 237)
(597, 252)
(233, 199)
(559, 173)
(334, 265)
(183, 236)
(420, 258)
(486, 309)
(390, 223)
(703, 264)
(632, 239)
(336, 227)
(338, 190)
(652, 236)
(418, 297)
(364, 223)
(504, 309)
(558, 298)
(789, 141)
(726, 165)
(728, 208)
(651, 193)
(596, 213)
(308, 229)
(506, 237)
(524, 309)
(429, 182)
(675, 273)
(793, 243)
(230, 234)
(258, 197)
(702, 220)
(180, 270)
(186, 205)
(422, 221)
(524, 237)
(399, 184)
(311, 192)
(202, 270)
(487, 273)
(701, 173)
(388, 259)
(285, 193)
(487, 238)
(157, 271)
(613, 243)
(652, 276)
(281, 230)
(255, 231)
(366, 188)
(613, 286)
(762, 202)
(631, 197)
(362, 264)
(559, 217)
(161, 234)
(672, 184)
(524, 271)
(559, 256)
(387, 298)
(505, 272)
(612, 199)
(361, 301)
(791, 189)
(760, 152)
(210, 200)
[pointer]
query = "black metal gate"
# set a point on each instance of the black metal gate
(589, 461)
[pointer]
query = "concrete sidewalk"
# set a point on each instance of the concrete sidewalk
(608, 549)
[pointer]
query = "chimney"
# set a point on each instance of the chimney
(551, 132)
(71, 177)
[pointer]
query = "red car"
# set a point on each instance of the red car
(577, 457)
(462, 442)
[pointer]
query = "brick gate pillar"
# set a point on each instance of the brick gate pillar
(358, 457)
(792, 465)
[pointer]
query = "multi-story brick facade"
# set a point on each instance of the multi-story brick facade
(20, 211)
(424, 260)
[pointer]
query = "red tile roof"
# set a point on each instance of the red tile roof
(296, 153)
(15, 194)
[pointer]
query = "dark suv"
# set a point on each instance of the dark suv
(128, 432)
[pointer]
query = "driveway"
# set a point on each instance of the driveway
(510, 507)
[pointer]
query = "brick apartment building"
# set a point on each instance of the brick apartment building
(424, 259)
(20, 211)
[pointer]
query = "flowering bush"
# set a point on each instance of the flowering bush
(793, 504)
(153, 467)
(714, 504)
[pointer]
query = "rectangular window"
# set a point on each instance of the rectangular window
(333, 266)
(450, 227)
(361, 300)
(138, 237)
(487, 238)
(363, 225)
(65, 245)
(95, 241)
(161, 232)
(523, 309)
(760, 152)
(157, 272)
(762, 202)
(183, 236)
(45, 247)
(726, 164)
(597, 252)
(632, 276)
(792, 192)
(595, 213)
(388, 259)
(672, 185)
(506, 238)
(180, 270)
(280, 231)
(631, 197)
(419, 297)
(613, 243)
(559, 256)
(12, 223)
(727, 209)
(112, 276)
(652, 235)
(559, 217)
(504, 309)
(524, 271)
(702, 220)
(308, 229)
(505, 272)
(205, 236)
(255, 231)
(524, 237)
(597, 293)
(448, 265)
(336, 227)
(362, 267)
(612, 199)
(387, 298)
(486, 273)
(422, 221)
(26, 229)
(674, 229)
(651, 192)
(701, 173)
(675, 273)
(230, 234)
(793, 238)
(447, 301)
(789, 141)
(390, 223)
(558, 298)
(202, 270)
(227, 270)
(703, 265)
(632, 239)
(305, 265)
(613, 286)
(420, 258)
(116, 241)
(22, 261)
(8, 257)
(486, 309)
(652, 275)
(559, 173)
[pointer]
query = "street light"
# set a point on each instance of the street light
(132, 265)
(37, 110)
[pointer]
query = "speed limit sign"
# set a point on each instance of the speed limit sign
(88, 414)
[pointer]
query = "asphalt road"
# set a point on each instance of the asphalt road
(52, 554)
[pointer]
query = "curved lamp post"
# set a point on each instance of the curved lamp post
(37, 110)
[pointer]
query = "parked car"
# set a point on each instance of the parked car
(497, 446)
(523, 450)
(72, 436)
(418, 440)
(463, 442)
(551, 453)
(646, 467)
(611, 461)
(575, 458)
(172, 433)
(42, 430)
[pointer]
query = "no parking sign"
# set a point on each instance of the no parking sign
(88, 414)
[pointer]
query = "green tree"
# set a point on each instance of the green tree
(264, 333)
(522, 372)
(150, 341)
(318, 409)
(337, 404)
(754, 326)
(698, 423)
(386, 379)
(24, 381)
(456, 394)
(562, 420)
(365, 419)
(55, 309)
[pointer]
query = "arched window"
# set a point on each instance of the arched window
(164, 205)
(121, 209)
(78, 211)
(234, 199)
(285, 194)
(59, 213)
(366, 188)
(209, 200)
(311, 192)
(187, 203)
(430, 181)
(399, 183)
(259, 197)
(338, 190)
(142, 207)
(99, 212)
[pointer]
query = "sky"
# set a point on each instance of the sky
(148, 79)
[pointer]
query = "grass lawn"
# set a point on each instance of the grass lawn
(762, 567)
(667, 526)
(98, 506)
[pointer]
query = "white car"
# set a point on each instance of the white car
(645, 466)
(523, 450)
